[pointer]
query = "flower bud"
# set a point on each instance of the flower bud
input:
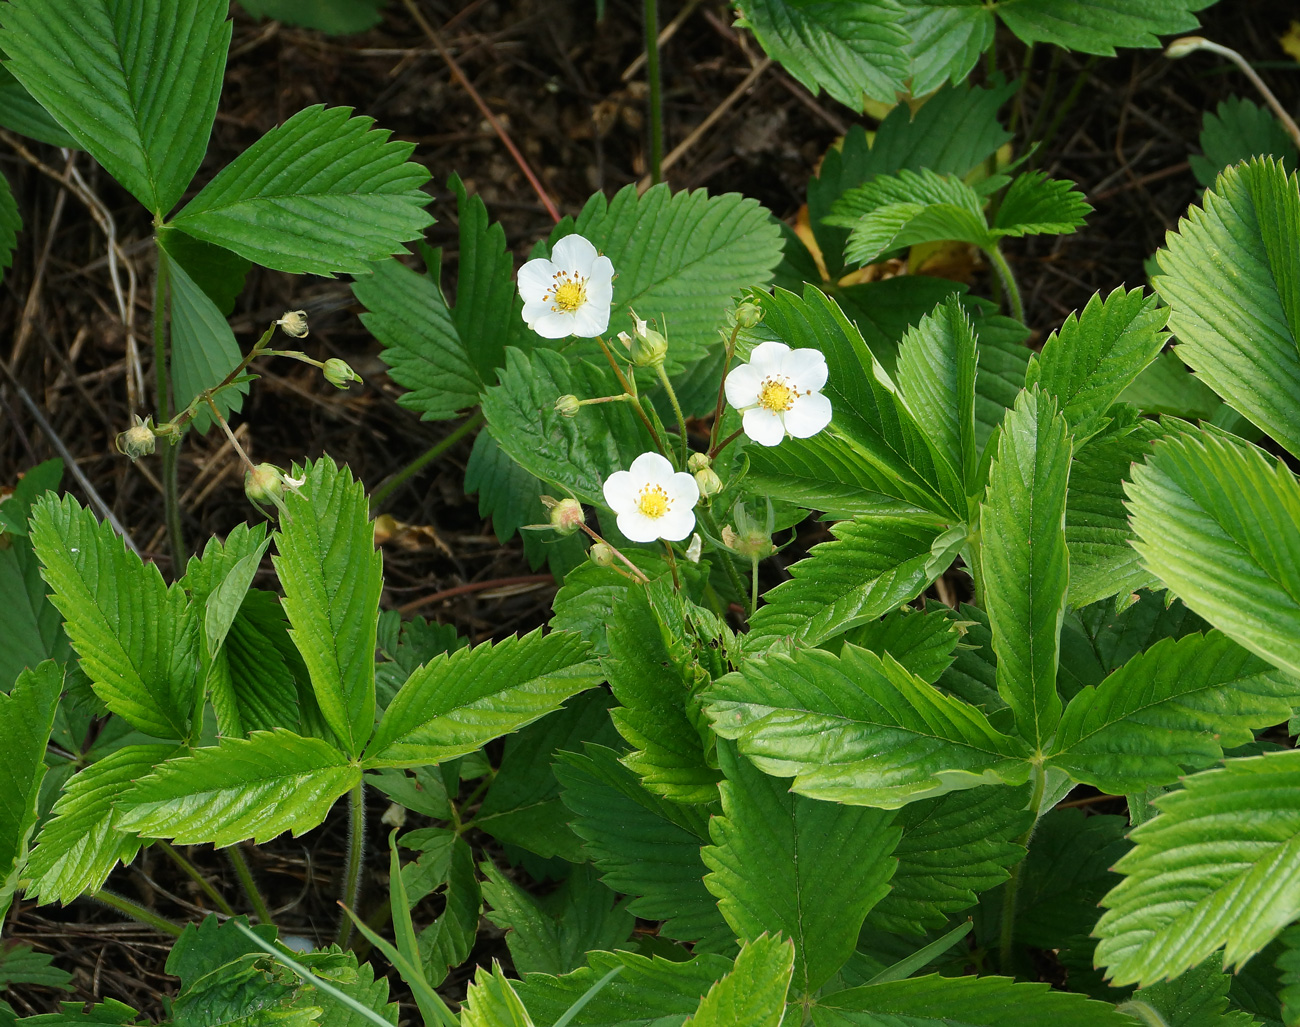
(748, 314)
(566, 515)
(698, 462)
(602, 555)
(338, 373)
(646, 346)
(708, 481)
(694, 550)
(1182, 47)
(136, 441)
(264, 484)
(293, 323)
(568, 405)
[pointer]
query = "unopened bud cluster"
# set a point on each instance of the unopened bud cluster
(647, 347)
(339, 373)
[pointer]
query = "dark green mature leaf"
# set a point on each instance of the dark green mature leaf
(945, 40)
(322, 193)
(936, 1001)
(1038, 205)
(258, 787)
(1217, 869)
(332, 576)
(921, 642)
(447, 941)
(22, 965)
(1238, 130)
(585, 602)
(1232, 280)
(26, 717)
(1179, 704)
(456, 703)
(78, 847)
(256, 681)
(752, 994)
(34, 629)
(1220, 526)
(11, 223)
(211, 944)
(1003, 361)
(1026, 566)
(859, 729)
(406, 311)
(778, 865)
(136, 86)
(19, 112)
(681, 258)
(953, 848)
(333, 17)
(137, 638)
(1099, 26)
(853, 49)
(1288, 962)
(1198, 998)
(1094, 355)
(643, 845)
(217, 271)
(1168, 387)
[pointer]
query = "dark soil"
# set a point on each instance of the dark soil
(556, 79)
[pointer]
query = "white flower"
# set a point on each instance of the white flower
(652, 500)
(778, 393)
(569, 294)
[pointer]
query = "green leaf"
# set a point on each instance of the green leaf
(1003, 362)
(923, 642)
(874, 565)
(1237, 131)
(1289, 964)
(643, 845)
(34, 629)
(1095, 355)
(1198, 998)
(257, 681)
(1232, 282)
(447, 941)
(1167, 387)
(333, 17)
(936, 1001)
(1037, 205)
(217, 271)
(554, 935)
(322, 193)
(454, 704)
(204, 349)
(680, 258)
(491, 1001)
(332, 576)
(26, 718)
(19, 112)
(1220, 526)
(778, 866)
(936, 379)
(1025, 563)
(859, 729)
(1179, 704)
(946, 40)
(137, 638)
(82, 842)
(11, 223)
(256, 787)
(137, 87)
(753, 994)
(21, 965)
(1099, 26)
(852, 50)
(953, 848)
(1218, 868)
(406, 312)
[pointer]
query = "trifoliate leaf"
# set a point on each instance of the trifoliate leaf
(1236, 131)
(1038, 205)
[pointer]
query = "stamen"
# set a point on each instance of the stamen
(653, 501)
(776, 395)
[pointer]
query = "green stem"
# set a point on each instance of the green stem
(137, 912)
(999, 262)
(1011, 893)
(722, 389)
(245, 874)
(356, 858)
(650, 9)
(192, 872)
(753, 588)
(631, 391)
(381, 495)
(170, 475)
(677, 409)
(672, 563)
(728, 564)
(1142, 1011)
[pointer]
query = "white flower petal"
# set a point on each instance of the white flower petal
(620, 491)
(574, 253)
(683, 490)
(676, 524)
(554, 324)
(600, 279)
(535, 279)
(742, 386)
(806, 369)
(763, 426)
(652, 469)
(767, 357)
(590, 319)
(808, 416)
(638, 527)
(534, 309)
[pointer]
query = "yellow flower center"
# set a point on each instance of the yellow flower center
(653, 502)
(776, 395)
(568, 293)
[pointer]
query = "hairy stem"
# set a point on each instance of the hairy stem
(192, 872)
(1181, 47)
(650, 12)
(1011, 893)
(631, 391)
(137, 912)
(1014, 302)
(677, 409)
(245, 874)
(722, 389)
(171, 486)
(356, 858)
(385, 491)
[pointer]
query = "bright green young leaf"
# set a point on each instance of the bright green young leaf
(1232, 281)
(643, 845)
(1219, 524)
(224, 602)
(256, 787)
(1037, 205)
(492, 1002)
(26, 717)
(447, 941)
(333, 17)
(78, 847)
(204, 349)
(853, 48)
(953, 848)
(332, 576)
(753, 994)
(455, 704)
(936, 1001)
(1025, 563)
(873, 565)
(322, 193)
(137, 638)
(135, 85)
(859, 729)
(680, 258)
(778, 865)
(1096, 354)
(1236, 131)
(936, 379)
(1219, 868)
(1179, 704)
(19, 112)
